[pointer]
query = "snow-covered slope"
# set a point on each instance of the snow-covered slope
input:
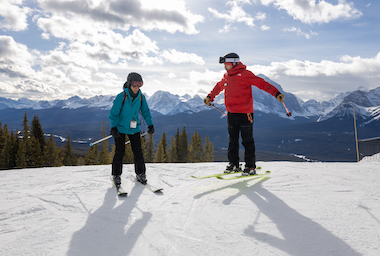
(301, 209)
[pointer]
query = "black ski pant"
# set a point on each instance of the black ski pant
(239, 123)
(117, 163)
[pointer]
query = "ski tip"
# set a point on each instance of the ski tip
(91, 144)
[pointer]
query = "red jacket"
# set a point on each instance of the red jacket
(237, 84)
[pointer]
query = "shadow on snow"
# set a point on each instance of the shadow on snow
(301, 235)
(108, 230)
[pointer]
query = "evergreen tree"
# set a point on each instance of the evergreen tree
(38, 133)
(26, 141)
(104, 156)
(208, 151)
(92, 156)
(2, 136)
(52, 156)
(69, 158)
(35, 153)
(13, 150)
(8, 150)
(160, 157)
(80, 161)
(21, 160)
(173, 155)
(25, 127)
(4, 147)
(177, 145)
(5, 155)
(195, 149)
(162, 150)
(183, 146)
(149, 158)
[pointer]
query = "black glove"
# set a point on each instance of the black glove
(151, 129)
(115, 133)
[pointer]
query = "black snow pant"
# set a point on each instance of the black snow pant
(117, 163)
(239, 123)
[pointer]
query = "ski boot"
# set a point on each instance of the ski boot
(248, 171)
(116, 180)
(141, 178)
(232, 168)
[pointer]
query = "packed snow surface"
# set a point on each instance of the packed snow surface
(299, 209)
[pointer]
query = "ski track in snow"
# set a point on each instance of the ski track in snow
(299, 209)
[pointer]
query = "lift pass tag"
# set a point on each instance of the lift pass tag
(133, 124)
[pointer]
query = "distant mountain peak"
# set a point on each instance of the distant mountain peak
(167, 103)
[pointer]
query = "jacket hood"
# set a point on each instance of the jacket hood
(237, 69)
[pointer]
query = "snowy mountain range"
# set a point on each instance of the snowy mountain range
(317, 130)
(367, 104)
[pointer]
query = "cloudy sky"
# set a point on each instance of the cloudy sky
(316, 49)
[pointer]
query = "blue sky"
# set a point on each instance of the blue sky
(55, 49)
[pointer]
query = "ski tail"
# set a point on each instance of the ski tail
(218, 174)
(150, 187)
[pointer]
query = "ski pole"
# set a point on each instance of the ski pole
(288, 113)
(218, 109)
(96, 142)
(142, 135)
(106, 138)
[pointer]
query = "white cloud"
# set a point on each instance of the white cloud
(93, 38)
(308, 11)
(171, 75)
(325, 79)
(97, 45)
(177, 57)
(14, 15)
(260, 16)
(121, 14)
(15, 60)
(226, 28)
(263, 28)
(300, 32)
(201, 81)
(235, 14)
(359, 66)
(322, 80)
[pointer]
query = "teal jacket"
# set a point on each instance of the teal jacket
(121, 117)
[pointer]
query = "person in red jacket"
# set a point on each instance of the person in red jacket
(236, 83)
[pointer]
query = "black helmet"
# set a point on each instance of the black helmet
(231, 57)
(132, 77)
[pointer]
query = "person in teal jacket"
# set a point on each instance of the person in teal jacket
(124, 119)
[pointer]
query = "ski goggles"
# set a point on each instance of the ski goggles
(137, 83)
(224, 60)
